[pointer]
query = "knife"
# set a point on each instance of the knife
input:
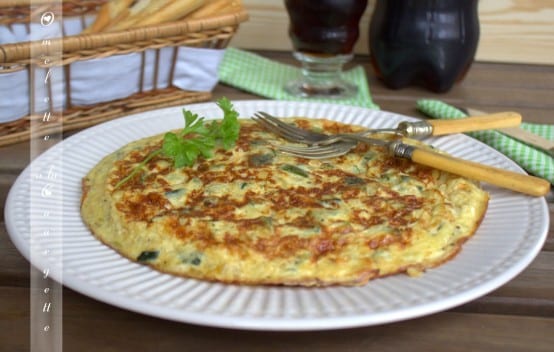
(520, 134)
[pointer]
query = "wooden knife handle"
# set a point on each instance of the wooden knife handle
(503, 178)
(475, 123)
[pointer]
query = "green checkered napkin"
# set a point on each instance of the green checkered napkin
(261, 76)
(534, 161)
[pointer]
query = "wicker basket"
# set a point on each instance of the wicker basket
(60, 53)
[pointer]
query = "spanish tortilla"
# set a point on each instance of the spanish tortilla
(250, 215)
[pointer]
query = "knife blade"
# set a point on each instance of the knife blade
(520, 134)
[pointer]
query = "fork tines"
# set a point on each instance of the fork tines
(318, 152)
(327, 146)
(280, 128)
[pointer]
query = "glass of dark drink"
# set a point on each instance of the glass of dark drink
(323, 35)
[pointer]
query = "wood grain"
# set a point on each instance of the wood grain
(86, 327)
(511, 30)
(517, 31)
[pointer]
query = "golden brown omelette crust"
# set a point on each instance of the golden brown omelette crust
(253, 216)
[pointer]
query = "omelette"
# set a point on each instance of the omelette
(251, 215)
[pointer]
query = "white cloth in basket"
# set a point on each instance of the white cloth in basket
(100, 80)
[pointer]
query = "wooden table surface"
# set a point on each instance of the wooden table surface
(519, 316)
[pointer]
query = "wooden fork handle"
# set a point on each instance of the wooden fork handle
(475, 123)
(503, 178)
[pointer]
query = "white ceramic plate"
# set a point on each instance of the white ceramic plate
(42, 217)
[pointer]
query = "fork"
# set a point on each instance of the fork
(344, 143)
(419, 129)
(295, 134)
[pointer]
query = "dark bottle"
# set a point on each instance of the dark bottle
(426, 42)
(326, 26)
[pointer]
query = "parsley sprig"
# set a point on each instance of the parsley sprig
(197, 138)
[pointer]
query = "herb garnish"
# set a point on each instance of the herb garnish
(202, 138)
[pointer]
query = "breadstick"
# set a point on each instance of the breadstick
(211, 7)
(232, 6)
(131, 15)
(150, 10)
(173, 11)
(107, 12)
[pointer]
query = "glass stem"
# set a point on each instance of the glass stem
(321, 77)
